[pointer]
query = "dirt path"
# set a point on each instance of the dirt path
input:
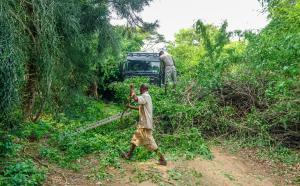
(224, 169)
(227, 169)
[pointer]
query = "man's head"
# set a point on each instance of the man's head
(143, 88)
(161, 53)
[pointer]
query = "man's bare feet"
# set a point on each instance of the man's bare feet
(162, 162)
(126, 156)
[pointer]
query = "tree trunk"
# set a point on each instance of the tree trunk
(43, 103)
(31, 65)
(30, 90)
(93, 90)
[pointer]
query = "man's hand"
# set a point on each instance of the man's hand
(132, 107)
(132, 93)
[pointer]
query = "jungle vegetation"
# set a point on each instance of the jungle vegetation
(60, 65)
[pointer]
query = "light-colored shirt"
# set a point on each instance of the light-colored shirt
(145, 111)
(167, 60)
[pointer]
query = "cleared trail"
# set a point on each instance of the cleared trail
(225, 169)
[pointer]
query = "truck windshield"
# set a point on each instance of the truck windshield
(144, 66)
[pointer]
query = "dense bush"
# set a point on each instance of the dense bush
(7, 147)
(110, 140)
(22, 173)
(249, 87)
(246, 90)
(252, 84)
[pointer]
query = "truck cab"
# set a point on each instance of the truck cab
(143, 64)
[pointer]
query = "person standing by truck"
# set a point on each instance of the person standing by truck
(169, 69)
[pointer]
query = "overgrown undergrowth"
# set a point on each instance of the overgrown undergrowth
(181, 126)
(242, 113)
(48, 140)
(246, 92)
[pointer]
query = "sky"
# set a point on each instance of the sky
(174, 15)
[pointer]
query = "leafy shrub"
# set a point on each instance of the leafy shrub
(121, 90)
(51, 154)
(23, 173)
(7, 147)
(37, 130)
(187, 143)
(250, 87)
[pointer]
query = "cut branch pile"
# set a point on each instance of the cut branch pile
(242, 97)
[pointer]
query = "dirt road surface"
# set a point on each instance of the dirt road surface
(224, 169)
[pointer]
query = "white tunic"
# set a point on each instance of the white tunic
(145, 111)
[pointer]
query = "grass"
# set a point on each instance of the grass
(183, 176)
(297, 179)
(264, 149)
(146, 175)
(229, 176)
(107, 142)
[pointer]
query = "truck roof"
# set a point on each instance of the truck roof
(143, 56)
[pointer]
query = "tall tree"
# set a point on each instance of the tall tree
(186, 50)
(41, 32)
(213, 39)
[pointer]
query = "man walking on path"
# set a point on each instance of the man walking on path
(143, 135)
(170, 70)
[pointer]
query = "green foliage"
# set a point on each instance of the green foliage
(61, 50)
(247, 88)
(36, 131)
(111, 66)
(186, 51)
(10, 69)
(108, 141)
(274, 56)
(185, 176)
(284, 155)
(214, 39)
(52, 57)
(265, 150)
(187, 143)
(7, 146)
(22, 173)
(175, 117)
(142, 176)
(121, 89)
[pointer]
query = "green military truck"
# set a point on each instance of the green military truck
(143, 64)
